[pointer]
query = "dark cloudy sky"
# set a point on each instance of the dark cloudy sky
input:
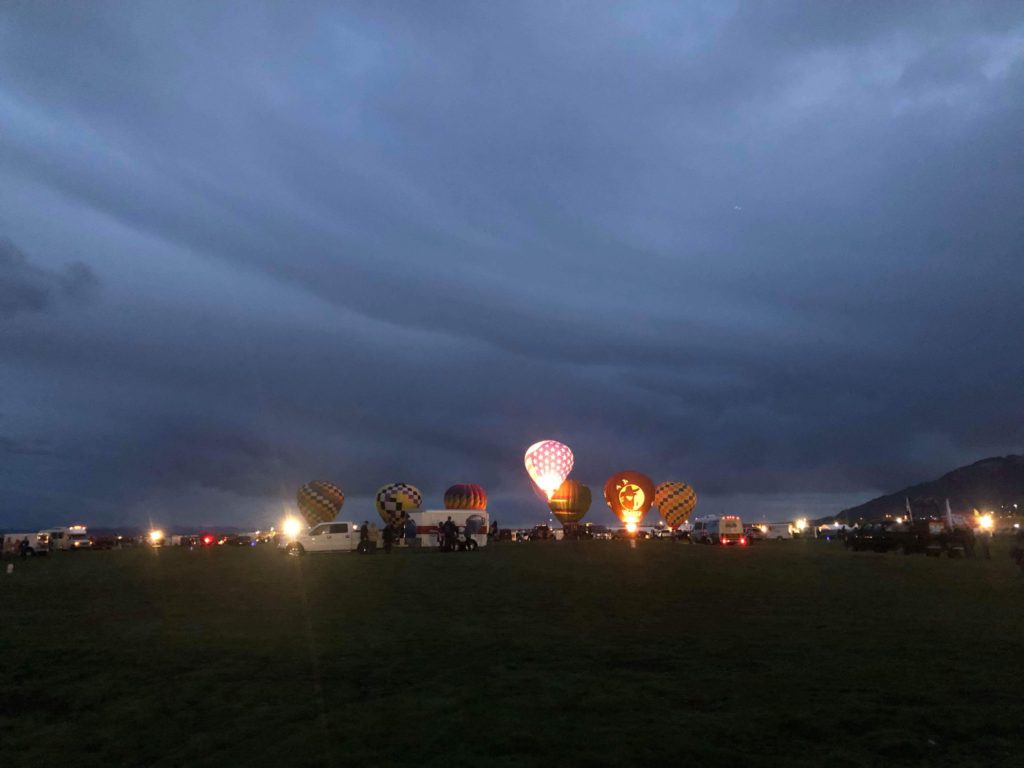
(773, 250)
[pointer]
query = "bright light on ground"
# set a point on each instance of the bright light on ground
(156, 536)
(292, 527)
(986, 522)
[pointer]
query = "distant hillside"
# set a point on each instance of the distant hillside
(987, 484)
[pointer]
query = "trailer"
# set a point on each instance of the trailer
(472, 523)
(38, 543)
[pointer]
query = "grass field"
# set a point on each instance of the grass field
(797, 653)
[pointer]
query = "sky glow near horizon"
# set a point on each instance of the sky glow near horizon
(770, 250)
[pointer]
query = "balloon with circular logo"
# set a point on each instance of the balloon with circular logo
(465, 496)
(629, 494)
(319, 501)
(675, 502)
(570, 502)
(548, 463)
(395, 498)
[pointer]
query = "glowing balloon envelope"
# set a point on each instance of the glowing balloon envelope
(629, 494)
(548, 462)
(395, 498)
(319, 501)
(675, 502)
(465, 496)
(570, 502)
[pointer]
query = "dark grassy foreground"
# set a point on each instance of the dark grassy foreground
(794, 653)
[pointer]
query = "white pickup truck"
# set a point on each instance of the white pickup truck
(335, 536)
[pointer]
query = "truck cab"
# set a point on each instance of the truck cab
(335, 536)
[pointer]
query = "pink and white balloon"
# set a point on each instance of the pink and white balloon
(548, 462)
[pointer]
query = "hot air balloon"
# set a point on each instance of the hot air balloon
(319, 501)
(395, 498)
(675, 501)
(549, 462)
(629, 494)
(463, 496)
(570, 502)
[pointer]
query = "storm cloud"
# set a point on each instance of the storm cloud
(769, 249)
(28, 288)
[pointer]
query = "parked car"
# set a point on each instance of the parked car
(875, 536)
(931, 537)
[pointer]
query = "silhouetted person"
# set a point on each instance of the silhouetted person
(389, 535)
(984, 540)
(449, 535)
(23, 548)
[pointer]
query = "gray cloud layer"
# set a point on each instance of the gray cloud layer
(771, 250)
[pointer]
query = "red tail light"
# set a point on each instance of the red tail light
(742, 540)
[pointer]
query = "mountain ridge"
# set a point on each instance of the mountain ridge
(990, 484)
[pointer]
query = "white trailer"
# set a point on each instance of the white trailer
(473, 523)
(38, 543)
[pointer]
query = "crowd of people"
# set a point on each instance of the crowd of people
(403, 531)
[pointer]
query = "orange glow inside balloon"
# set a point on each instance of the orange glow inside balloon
(548, 463)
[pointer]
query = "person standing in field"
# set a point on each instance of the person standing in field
(1017, 553)
(449, 535)
(389, 535)
(410, 532)
(985, 543)
(364, 536)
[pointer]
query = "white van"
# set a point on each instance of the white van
(777, 531)
(727, 529)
